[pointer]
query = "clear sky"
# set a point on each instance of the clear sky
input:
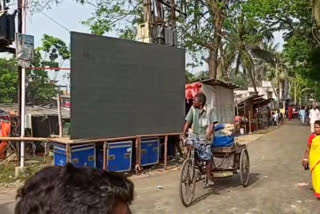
(70, 15)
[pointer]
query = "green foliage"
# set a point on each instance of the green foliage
(314, 72)
(55, 47)
(119, 16)
(8, 81)
(236, 40)
(52, 53)
(294, 17)
(190, 77)
(241, 80)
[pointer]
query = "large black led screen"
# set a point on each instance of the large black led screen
(125, 88)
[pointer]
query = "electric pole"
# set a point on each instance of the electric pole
(156, 26)
(19, 9)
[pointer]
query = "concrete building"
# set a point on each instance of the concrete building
(265, 90)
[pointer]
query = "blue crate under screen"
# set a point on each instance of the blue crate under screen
(150, 151)
(119, 156)
(81, 155)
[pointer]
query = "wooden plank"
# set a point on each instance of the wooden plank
(138, 154)
(165, 152)
(82, 141)
(68, 153)
(23, 139)
(159, 135)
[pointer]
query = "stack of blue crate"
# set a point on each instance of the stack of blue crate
(150, 151)
(119, 156)
(81, 155)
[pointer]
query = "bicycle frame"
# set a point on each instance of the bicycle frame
(197, 163)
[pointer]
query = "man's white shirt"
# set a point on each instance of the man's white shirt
(314, 115)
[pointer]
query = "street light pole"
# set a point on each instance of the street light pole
(22, 16)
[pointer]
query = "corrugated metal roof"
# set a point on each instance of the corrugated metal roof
(214, 82)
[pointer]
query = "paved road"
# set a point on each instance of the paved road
(276, 183)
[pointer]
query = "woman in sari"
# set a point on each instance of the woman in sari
(312, 158)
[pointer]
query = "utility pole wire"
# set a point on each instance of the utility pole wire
(52, 19)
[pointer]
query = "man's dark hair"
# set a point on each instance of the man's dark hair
(202, 98)
(69, 190)
(317, 122)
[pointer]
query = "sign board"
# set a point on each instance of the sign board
(24, 49)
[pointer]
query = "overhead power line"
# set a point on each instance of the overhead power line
(56, 22)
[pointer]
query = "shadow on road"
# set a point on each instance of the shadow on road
(7, 208)
(224, 184)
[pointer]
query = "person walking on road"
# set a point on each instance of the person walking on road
(312, 158)
(302, 114)
(314, 115)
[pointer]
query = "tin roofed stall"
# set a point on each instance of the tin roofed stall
(220, 97)
(255, 111)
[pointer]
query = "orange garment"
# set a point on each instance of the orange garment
(5, 132)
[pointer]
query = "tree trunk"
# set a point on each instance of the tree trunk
(222, 71)
(254, 85)
(275, 91)
(213, 62)
(214, 52)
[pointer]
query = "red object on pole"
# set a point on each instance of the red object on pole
(48, 68)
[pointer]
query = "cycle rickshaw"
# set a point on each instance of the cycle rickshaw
(193, 168)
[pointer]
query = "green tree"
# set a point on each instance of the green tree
(119, 16)
(201, 30)
(52, 53)
(8, 81)
(244, 44)
(294, 17)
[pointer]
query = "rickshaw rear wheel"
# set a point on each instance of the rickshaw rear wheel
(244, 168)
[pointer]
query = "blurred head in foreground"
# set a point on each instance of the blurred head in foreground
(71, 190)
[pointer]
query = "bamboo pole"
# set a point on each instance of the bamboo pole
(59, 114)
(250, 131)
(244, 114)
(105, 156)
(26, 139)
(138, 154)
(68, 153)
(165, 151)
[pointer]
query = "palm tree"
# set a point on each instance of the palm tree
(244, 40)
(275, 68)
